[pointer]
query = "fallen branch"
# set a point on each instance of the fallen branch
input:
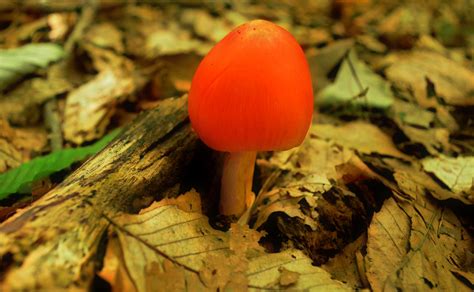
(55, 242)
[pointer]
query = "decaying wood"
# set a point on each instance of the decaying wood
(55, 242)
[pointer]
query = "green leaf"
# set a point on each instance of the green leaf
(18, 180)
(15, 63)
(347, 91)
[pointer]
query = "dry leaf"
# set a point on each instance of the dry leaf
(113, 270)
(17, 145)
(89, 107)
(288, 277)
(243, 241)
(361, 136)
(387, 243)
(419, 125)
(173, 40)
(452, 81)
(205, 25)
(344, 266)
(264, 271)
(456, 173)
(403, 24)
(323, 60)
(166, 279)
(188, 202)
(188, 239)
(23, 105)
(415, 247)
(105, 35)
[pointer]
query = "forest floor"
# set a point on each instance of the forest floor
(379, 196)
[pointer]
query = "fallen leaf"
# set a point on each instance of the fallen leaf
(264, 271)
(189, 242)
(387, 243)
(288, 277)
(90, 106)
(105, 35)
(113, 270)
(18, 145)
(456, 173)
(168, 278)
(188, 202)
(404, 24)
(10, 157)
(353, 78)
(243, 241)
(420, 126)
(361, 136)
(173, 40)
(344, 266)
(323, 60)
(214, 29)
(427, 243)
(371, 43)
(16, 63)
(23, 104)
(453, 82)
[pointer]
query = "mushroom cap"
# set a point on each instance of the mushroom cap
(252, 91)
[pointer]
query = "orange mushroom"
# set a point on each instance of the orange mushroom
(252, 92)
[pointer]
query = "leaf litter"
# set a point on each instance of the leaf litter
(207, 257)
(376, 196)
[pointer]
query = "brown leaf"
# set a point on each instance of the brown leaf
(18, 145)
(89, 107)
(105, 35)
(288, 277)
(453, 82)
(168, 278)
(344, 266)
(456, 173)
(190, 243)
(414, 246)
(387, 243)
(361, 136)
(188, 202)
(23, 105)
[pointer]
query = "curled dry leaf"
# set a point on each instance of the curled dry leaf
(312, 206)
(309, 167)
(90, 106)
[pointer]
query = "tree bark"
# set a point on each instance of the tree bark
(57, 240)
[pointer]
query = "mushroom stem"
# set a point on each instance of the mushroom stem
(236, 182)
